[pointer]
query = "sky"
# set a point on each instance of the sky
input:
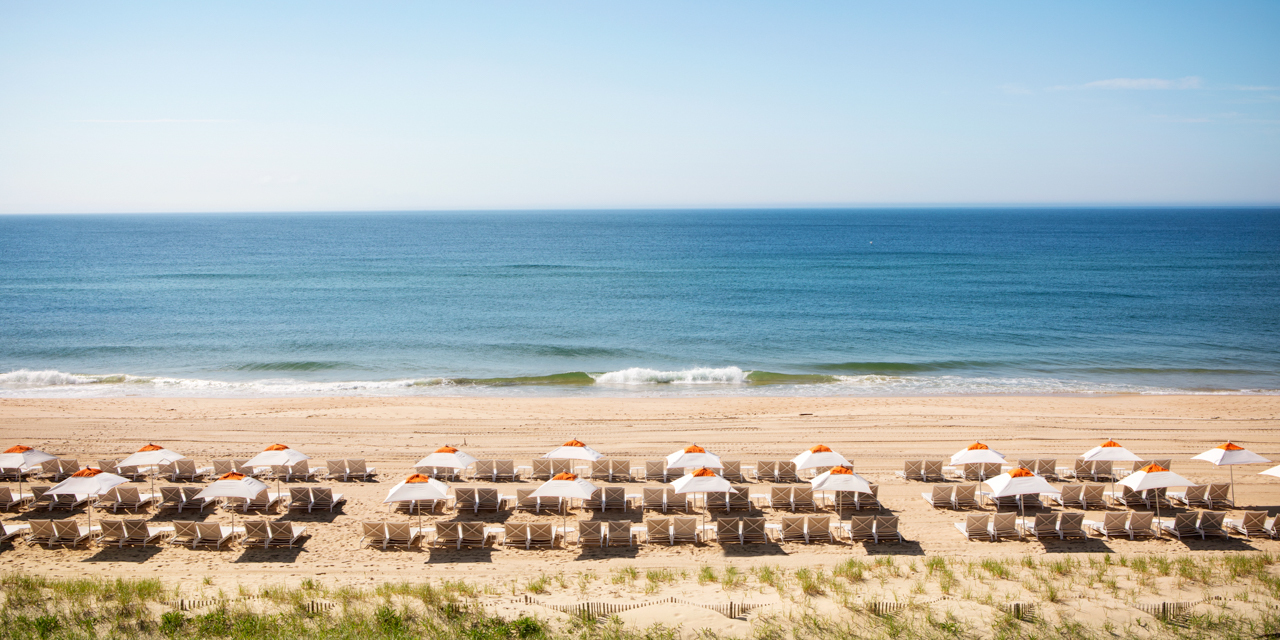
(337, 106)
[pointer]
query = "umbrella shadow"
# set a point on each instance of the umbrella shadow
(189, 515)
(302, 515)
(124, 554)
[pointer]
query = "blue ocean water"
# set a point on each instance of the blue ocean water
(839, 302)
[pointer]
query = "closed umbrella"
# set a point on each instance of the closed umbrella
(840, 479)
(418, 487)
(22, 457)
(693, 456)
(565, 486)
(447, 457)
(574, 450)
(88, 481)
(1154, 476)
(233, 485)
(1019, 482)
(976, 453)
(820, 456)
(1229, 455)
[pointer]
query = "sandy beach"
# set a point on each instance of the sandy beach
(877, 434)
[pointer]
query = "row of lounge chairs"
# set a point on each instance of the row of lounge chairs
(1133, 525)
(122, 533)
(186, 470)
(934, 471)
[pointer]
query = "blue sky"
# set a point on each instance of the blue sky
(238, 106)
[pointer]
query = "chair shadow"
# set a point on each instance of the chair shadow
(1087, 545)
(1215, 544)
(605, 553)
(274, 554)
(904, 548)
(446, 555)
(124, 554)
(753, 550)
(324, 515)
(186, 516)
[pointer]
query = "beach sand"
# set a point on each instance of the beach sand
(877, 434)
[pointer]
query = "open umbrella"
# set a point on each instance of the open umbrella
(574, 450)
(819, 456)
(1019, 482)
(840, 479)
(418, 487)
(1154, 476)
(1110, 451)
(693, 456)
(702, 481)
(447, 457)
(977, 453)
(565, 485)
(88, 481)
(22, 457)
(149, 456)
(1229, 455)
(277, 454)
(233, 485)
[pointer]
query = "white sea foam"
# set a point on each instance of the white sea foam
(46, 378)
(699, 375)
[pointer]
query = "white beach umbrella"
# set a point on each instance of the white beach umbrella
(1110, 451)
(977, 453)
(565, 485)
(23, 458)
(574, 450)
(1154, 476)
(151, 455)
(418, 487)
(277, 454)
(87, 481)
(1273, 471)
(1019, 482)
(839, 479)
(1229, 455)
(701, 481)
(447, 457)
(693, 456)
(820, 456)
(233, 485)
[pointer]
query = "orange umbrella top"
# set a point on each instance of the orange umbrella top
(446, 449)
(1228, 446)
(704, 472)
(693, 448)
(276, 447)
(566, 476)
(1110, 443)
(86, 472)
(820, 449)
(841, 471)
(232, 476)
(1153, 468)
(574, 443)
(977, 445)
(1021, 473)
(151, 447)
(417, 477)
(18, 448)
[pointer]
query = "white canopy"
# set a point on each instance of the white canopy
(90, 482)
(1110, 451)
(1228, 454)
(277, 454)
(233, 485)
(574, 450)
(447, 457)
(564, 485)
(418, 487)
(819, 456)
(840, 479)
(693, 456)
(151, 455)
(701, 481)
(1018, 482)
(1154, 476)
(977, 453)
(23, 457)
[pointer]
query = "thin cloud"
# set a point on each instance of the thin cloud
(1136, 84)
(1255, 88)
(155, 121)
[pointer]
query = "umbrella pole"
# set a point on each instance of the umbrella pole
(1232, 470)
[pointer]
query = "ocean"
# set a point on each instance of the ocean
(643, 303)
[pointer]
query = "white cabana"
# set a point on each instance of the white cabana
(1154, 476)
(1019, 482)
(277, 454)
(977, 453)
(693, 456)
(574, 450)
(447, 457)
(88, 482)
(839, 479)
(819, 456)
(1229, 455)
